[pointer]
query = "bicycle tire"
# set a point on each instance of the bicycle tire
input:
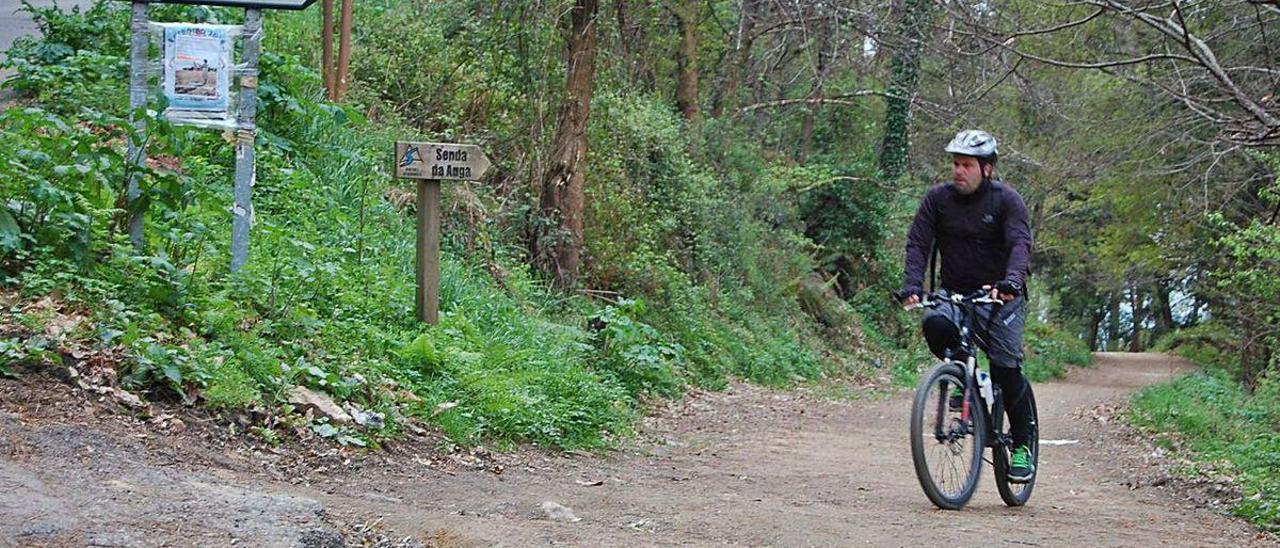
(926, 405)
(1017, 494)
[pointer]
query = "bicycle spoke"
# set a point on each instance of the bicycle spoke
(942, 470)
(955, 472)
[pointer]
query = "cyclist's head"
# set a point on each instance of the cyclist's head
(974, 158)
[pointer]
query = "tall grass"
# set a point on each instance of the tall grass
(1217, 421)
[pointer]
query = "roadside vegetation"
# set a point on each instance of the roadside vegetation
(1223, 426)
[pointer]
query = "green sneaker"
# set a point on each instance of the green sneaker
(1020, 468)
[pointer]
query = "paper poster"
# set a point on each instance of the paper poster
(197, 64)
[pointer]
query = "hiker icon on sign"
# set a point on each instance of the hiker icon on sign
(410, 156)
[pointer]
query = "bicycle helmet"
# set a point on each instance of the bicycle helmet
(976, 143)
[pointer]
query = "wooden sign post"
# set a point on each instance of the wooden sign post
(430, 163)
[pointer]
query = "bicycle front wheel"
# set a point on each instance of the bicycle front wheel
(947, 436)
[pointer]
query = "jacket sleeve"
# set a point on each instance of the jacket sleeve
(919, 243)
(1017, 235)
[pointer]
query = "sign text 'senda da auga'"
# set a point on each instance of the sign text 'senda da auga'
(440, 161)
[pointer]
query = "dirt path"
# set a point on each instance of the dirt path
(742, 467)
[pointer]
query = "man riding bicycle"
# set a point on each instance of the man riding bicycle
(981, 230)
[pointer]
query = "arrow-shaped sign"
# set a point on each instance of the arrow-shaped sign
(440, 161)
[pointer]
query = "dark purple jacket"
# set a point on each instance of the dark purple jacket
(982, 238)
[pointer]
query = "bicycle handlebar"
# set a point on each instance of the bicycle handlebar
(932, 300)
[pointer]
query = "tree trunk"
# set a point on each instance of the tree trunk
(326, 51)
(344, 48)
(1095, 325)
(817, 89)
(621, 9)
(1135, 343)
(1162, 309)
(726, 95)
(560, 241)
(1248, 359)
(1113, 322)
(806, 135)
(628, 34)
(904, 80)
(687, 92)
(632, 40)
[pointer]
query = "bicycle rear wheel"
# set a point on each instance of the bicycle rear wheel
(1017, 494)
(946, 442)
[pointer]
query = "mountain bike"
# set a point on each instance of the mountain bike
(958, 413)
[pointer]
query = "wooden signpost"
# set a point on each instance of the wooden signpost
(431, 163)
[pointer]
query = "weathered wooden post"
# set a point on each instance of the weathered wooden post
(427, 302)
(246, 133)
(139, 25)
(430, 163)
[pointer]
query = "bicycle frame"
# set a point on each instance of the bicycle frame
(975, 378)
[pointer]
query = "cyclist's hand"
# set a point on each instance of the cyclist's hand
(1007, 290)
(908, 296)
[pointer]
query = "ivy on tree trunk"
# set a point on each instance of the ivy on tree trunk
(903, 84)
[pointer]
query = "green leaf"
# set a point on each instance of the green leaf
(324, 430)
(174, 375)
(421, 350)
(350, 440)
(10, 234)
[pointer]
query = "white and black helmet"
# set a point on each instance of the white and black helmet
(976, 143)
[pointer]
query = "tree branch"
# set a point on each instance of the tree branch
(1102, 64)
(1205, 58)
(841, 99)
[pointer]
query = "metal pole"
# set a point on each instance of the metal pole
(137, 101)
(428, 271)
(326, 49)
(242, 211)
